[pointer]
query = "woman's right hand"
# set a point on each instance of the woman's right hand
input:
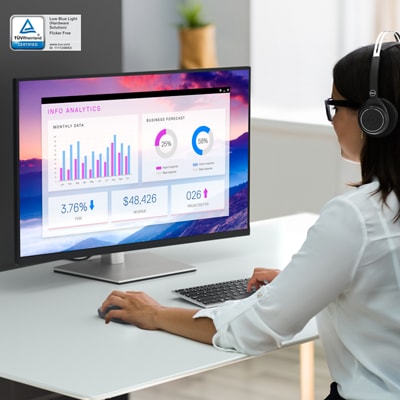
(262, 276)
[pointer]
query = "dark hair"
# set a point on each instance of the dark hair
(380, 157)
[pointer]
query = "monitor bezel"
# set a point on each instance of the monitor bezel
(76, 255)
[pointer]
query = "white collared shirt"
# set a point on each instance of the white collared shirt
(348, 274)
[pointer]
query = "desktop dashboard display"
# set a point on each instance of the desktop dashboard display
(129, 161)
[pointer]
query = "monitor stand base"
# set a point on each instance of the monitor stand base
(123, 268)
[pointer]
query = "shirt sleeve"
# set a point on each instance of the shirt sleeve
(322, 269)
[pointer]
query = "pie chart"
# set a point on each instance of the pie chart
(202, 140)
(165, 143)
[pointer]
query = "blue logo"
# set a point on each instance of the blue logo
(27, 32)
(27, 28)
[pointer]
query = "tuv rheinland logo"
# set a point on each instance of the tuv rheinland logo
(27, 32)
(27, 28)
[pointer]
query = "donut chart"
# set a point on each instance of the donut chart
(202, 140)
(166, 143)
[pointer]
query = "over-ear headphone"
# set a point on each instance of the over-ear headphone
(378, 116)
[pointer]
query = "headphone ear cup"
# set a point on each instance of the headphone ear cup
(377, 117)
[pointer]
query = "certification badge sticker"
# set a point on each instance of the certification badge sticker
(27, 32)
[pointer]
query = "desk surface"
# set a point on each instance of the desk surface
(51, 337)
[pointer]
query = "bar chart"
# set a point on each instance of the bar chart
(114, 160)
(91, 153)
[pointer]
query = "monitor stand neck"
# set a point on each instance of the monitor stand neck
(113, 258)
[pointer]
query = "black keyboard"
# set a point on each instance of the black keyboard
(216, 293)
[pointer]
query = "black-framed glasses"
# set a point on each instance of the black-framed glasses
(331, 104)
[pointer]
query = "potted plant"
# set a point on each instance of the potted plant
(197, 37)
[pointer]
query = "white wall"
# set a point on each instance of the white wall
(295, 168)
(294, 45)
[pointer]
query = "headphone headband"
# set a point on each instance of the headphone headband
(374, 74)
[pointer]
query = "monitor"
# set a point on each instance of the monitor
(107, 166)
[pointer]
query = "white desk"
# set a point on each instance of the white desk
(51, 337)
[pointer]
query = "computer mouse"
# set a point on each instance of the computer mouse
(102, 314)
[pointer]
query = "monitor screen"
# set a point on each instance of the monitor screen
(114, 163)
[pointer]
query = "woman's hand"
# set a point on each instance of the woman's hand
(136, 308)
(262, 276)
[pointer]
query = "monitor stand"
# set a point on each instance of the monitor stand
(125, 267)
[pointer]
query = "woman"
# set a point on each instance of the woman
(348, 270)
